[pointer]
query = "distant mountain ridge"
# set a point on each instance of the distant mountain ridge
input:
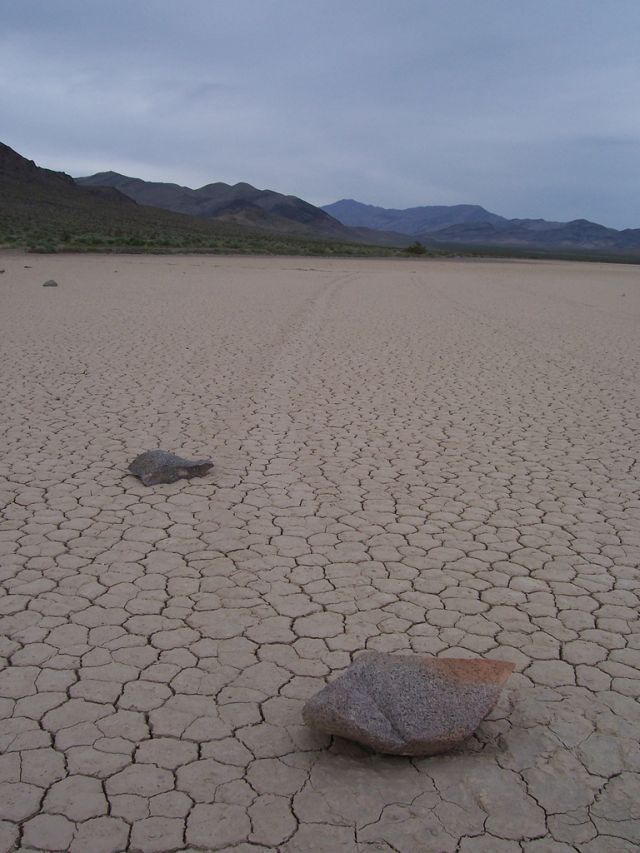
(241, 203)
(414, 221)
(472, 225)
(579, 233)
(109, 209)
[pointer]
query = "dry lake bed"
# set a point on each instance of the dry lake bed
(436, 457)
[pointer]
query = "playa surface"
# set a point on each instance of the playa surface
(410, 456)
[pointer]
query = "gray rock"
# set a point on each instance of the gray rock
(50, 283)
(159, 466)
(408, 705)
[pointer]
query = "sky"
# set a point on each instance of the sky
(530, 108)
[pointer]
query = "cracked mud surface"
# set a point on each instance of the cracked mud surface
(436, 457)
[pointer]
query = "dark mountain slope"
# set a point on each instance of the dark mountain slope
(220, 201)
(43, 207)
(21, 181)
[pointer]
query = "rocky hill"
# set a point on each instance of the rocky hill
(22, 182)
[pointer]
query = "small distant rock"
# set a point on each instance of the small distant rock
(50, 283)
(408, 705)
(1, 271)
(159, 466)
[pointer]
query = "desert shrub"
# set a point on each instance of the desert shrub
(416, 248)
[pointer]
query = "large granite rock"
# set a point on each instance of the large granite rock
(408, 705)
(159, 466)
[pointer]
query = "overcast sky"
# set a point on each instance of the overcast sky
(528, 107)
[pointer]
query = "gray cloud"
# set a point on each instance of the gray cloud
(527, 108)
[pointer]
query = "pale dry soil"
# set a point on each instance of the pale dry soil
(411, 456)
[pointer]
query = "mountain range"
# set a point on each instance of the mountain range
(434, 225)
(48, 210)
(241, 204)
(414, 221)
(472, 225)
(42, 207)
